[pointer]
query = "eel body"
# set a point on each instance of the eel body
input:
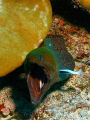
(45, 66)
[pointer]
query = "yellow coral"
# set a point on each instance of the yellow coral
(23, 26)
(85, 3)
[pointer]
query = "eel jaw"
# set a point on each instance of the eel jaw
(37, 87)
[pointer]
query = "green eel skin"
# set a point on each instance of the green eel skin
(43, 64)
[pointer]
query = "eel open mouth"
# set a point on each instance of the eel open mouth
(38, 81)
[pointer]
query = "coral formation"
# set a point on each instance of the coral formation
(85, 3)
(24, 30)
(7, 105)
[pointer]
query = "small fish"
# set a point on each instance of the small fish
(47, 65)
(71, 72)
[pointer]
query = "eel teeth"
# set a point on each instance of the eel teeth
(41, 84)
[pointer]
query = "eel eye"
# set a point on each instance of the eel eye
(40, 58)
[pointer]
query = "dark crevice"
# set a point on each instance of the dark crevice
(77, 16)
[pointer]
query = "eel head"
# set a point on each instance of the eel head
(40, 67)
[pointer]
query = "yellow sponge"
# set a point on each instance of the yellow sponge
(23, 26)
(85, 3)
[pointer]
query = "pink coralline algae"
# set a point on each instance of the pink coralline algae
(7, 105)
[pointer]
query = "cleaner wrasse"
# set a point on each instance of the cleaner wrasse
(47, 65)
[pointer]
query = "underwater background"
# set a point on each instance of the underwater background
(67, 100)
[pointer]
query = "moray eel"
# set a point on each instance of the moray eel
(47, 65)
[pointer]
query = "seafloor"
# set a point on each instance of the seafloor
(68, 100)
